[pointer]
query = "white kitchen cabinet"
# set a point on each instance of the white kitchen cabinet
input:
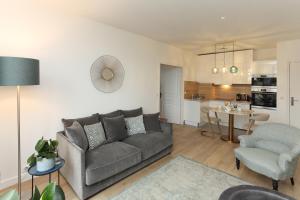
(192, 112)
(265, 67)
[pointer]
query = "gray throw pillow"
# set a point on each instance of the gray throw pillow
(115, 128)
(95, 135)
(132, 113)
(93, 119)
(135, 125)
(110, 115)
(152, 123)
(77, 135)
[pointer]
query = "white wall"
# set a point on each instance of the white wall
(288, 51)
(66, 47)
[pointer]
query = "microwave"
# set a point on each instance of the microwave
(264, 81)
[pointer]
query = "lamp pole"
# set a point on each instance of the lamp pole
(19, 141)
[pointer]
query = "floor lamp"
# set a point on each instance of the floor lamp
(18, 72)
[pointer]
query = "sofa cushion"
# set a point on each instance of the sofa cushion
(109, 115)
(110, 159)
(150, 144)
(261, 161)
(151, 122)
(132, 113)
(115, 128)
(77, 135)
(93, 119)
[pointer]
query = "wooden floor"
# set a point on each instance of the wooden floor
(189, 143)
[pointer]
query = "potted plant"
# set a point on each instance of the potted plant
(51, 192)
(44, 157)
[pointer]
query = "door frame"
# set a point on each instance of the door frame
(181, 89)
(289, 84)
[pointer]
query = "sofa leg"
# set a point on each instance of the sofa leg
(292, 180)
(237, 163)
(275, 184)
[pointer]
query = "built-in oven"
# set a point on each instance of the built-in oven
(264, 97)
(264, 80)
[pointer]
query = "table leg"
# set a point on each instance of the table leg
(230, 135)
(58, 177)
(231, 128)
(50, 178)
(31, 187)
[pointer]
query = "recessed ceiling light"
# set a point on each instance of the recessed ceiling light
(222, 18)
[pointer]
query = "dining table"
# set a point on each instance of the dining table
(231, 113)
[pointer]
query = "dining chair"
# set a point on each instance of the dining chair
(255, 117)
(210, 121)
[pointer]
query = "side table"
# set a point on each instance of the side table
(59, 163)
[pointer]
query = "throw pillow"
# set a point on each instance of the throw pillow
(110, 115)
(95, 135)
(115, 128)
(77, 135)
(135, 125)
(132, 113)
(151, 122)
(93, 119)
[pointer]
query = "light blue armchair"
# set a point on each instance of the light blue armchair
(272, 150)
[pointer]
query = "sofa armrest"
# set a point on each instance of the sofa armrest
(74, 168)
(166, 127)
(285, 159)
(247, 141)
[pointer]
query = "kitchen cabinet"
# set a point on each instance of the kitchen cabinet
(243, 60)
(192, 112)
(265, 67)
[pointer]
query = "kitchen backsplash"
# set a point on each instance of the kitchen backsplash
(211, 91)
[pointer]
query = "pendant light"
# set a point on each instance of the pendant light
(215, 70)
(224, 69)
(233, 69)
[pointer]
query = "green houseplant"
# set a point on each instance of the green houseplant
(51, 192)
(44, 157)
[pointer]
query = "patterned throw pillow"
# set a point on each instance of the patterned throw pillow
(95, 135)
(135, 125)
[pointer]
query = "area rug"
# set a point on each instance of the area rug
(180, 179)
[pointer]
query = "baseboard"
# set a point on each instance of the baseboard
(5, 183)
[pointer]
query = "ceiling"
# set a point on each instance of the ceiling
(196, 25)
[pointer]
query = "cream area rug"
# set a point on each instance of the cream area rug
(180, 179)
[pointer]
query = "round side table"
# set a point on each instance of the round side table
(59, 163)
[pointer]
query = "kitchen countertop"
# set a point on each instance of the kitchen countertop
(218, 99)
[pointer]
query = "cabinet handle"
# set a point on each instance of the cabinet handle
(292, 101)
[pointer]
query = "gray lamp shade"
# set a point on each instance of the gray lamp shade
(19, 71)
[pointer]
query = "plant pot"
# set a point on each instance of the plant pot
(45, 164)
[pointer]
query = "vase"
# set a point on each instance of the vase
(45, 164)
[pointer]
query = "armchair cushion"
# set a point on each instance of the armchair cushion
(273, 146)
(110, 159)
(261, 161)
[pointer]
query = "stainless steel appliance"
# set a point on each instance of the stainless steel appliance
(264, 97)
(264, 80)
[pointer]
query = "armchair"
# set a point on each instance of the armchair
(272, 150)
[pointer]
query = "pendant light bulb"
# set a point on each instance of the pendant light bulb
(215, 70)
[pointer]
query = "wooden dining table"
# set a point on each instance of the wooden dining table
(230, 135)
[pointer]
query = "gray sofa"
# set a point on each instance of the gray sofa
(89, 172)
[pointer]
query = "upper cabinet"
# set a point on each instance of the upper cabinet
(242, 59)
(265, 67)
